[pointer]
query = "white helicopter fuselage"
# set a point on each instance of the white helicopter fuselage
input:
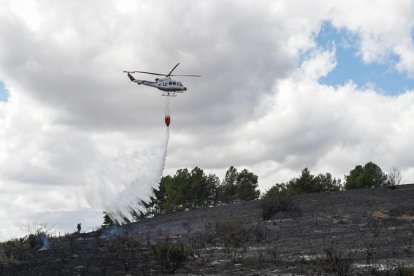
(166, 84)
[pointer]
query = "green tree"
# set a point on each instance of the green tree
(108, 220)
(367, 176)
(205, 191)
(212, 184)
(278, 188)
(307, 183)
(203, 188)
(156, 204)
(178, 191)
(184, 190)
(238, 185)
(246, 186)
(325, 183)
(228, 189)
(304, 184)
(138, 215)
(198, 188)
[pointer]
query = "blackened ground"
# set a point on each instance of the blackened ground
(359, 232)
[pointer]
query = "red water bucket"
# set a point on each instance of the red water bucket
(167, 120)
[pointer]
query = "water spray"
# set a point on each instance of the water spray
(121, 185)
(132, 179)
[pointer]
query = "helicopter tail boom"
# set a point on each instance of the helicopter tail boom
(149, 83)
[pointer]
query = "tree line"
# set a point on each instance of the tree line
(368, 176)
(196, 189)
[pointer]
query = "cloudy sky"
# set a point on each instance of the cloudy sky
(285, 85)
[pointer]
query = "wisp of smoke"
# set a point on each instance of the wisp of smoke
(124, 182)
(44, 240)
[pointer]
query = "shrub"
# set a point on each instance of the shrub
(234, 236)
(232, 233)
(171, 256)
(307, 183)
(402, 270)
(338, 261)
(367, 176)
(275, 203)
(394, 178)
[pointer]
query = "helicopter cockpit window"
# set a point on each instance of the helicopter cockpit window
(180, 84)
(174, 83)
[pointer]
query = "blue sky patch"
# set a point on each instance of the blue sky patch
(4, 95)
(350, 67)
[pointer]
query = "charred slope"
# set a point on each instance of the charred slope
(342, 233)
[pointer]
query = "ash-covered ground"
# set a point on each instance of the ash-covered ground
(358, 232)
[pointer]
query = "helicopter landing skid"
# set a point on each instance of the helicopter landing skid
(169, 94)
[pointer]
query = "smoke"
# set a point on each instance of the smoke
(122, 183)
(43, 241)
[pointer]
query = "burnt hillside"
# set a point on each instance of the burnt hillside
(357, 232)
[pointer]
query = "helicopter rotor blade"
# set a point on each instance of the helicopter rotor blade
(165, 75)
(186, 76)
(169, 74)
(150, 73)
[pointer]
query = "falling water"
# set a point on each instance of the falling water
(167, 106)
(120, 185)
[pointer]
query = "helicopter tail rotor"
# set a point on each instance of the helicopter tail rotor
(129, 75)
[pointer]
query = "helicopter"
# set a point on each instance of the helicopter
(167, 85)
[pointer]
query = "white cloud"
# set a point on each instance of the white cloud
(318, 65)
(71, 108)
(329, 129)
(384, 27)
